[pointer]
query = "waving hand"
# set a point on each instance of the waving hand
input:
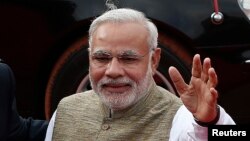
(200, 95)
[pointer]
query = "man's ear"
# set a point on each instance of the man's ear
(156, 56)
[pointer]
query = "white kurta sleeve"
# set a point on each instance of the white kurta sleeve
(50, 128)
(184, 127)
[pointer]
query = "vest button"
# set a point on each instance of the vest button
(105, 127)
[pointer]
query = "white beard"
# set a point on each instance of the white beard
(120, 101)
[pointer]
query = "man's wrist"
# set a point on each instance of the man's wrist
(213, 122)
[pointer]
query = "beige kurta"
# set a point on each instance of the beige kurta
(83, 117)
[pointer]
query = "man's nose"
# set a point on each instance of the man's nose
(114, 69)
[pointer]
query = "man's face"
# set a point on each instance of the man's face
(120, 64)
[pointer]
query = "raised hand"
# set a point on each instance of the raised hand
(200, 95)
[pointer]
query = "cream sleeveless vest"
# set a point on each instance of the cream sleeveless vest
(82, 117)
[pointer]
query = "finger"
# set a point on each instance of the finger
(214, 95)
(177, 79)
(196, 69)
(213, 80)
(206, 66)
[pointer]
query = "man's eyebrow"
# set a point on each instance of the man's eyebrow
(101, 52)
(128, 52)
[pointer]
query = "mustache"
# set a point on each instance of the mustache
(110, 81)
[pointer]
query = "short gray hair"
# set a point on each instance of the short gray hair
(124, 15)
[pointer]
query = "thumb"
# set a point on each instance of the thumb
(178, 80)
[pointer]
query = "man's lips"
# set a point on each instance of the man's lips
(116, 88)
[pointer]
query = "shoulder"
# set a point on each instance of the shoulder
(164, 100)
(167, 101)
(7, 81)
(79, 99)
(80, 96)
(168, 97)
(77, 105)
(5, 71)
(4, 68)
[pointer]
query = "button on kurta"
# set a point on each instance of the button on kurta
(105, 127)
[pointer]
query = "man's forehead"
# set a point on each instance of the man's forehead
(124, 30)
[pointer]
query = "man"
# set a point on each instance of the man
(125, 103)
(13, 127)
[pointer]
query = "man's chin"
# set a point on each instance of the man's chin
(114, 96)
(117, 101)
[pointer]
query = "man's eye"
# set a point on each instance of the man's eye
(129, 59)
(102, 59)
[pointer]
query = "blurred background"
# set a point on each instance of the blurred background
(45, 43)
